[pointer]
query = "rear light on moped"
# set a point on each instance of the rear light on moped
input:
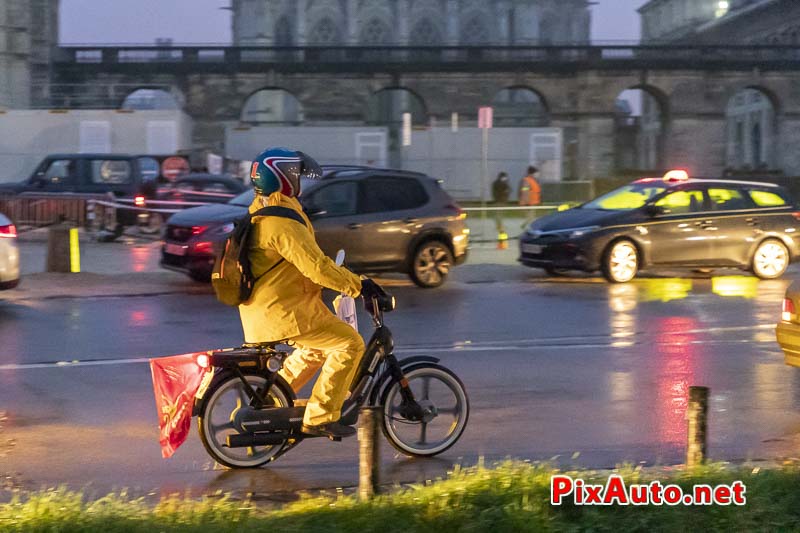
(9, 231)
(787, 311)
(203, 361)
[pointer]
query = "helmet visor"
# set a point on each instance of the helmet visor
(309, 168)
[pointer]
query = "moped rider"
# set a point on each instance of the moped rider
(286, 303)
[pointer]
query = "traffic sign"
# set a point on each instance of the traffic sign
(485, 117)
(174, 167)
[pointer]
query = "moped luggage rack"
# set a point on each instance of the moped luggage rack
(257, 356)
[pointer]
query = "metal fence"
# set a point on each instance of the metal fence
(42, 209)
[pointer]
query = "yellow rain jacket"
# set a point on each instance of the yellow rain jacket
(286, 300)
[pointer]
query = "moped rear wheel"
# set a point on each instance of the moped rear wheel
(215, 422)
(443, 399)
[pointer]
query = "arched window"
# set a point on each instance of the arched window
(750, 118)
(386, 107)
(639, 126)
(519, 107)
(325, 31)
(152, 99)
(426, 33)
(272, 106)
(475, 31)
(375, 31)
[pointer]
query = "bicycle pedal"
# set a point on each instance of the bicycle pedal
(335, 439)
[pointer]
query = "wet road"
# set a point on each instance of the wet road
(572, 369)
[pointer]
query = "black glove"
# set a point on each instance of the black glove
(370, 289)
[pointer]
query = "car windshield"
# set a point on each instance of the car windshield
(626, 198)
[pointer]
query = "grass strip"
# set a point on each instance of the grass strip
(512, 496)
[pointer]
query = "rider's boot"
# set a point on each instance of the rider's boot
(332, 430)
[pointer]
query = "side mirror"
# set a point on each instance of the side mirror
(655, 210)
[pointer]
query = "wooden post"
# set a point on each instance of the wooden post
(369, 459)
(697, 416)
(58, 249)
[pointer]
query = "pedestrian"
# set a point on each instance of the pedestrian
(530, 193)
(501, 189)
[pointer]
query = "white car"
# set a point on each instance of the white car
(9, 254)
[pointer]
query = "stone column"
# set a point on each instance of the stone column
(787, 156)
(402, 17)
(302, 39)
(352, 22)
(696, 141)
(504, 22)
(451, 19)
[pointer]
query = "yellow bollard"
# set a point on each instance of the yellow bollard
(74, 251)
(502, 240)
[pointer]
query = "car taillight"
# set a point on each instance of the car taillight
(796, 215)
(787, 311)
(9, 231)
(204, 247)
(197, 230)
(138, 201)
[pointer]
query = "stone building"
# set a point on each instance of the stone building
(28, 31)
(409, 22)
(751, 125)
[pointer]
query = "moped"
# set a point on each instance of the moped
(249, 416)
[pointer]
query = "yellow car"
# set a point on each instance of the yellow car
(788, 329)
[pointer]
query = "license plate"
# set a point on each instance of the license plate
(175, 249)
(531, 249)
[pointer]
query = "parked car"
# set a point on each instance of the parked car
(9, 254)
(788, 329)
(207, 188)
(386, 221)
(125, 176)
(675, 221)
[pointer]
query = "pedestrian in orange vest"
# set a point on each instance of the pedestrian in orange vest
(530, 193)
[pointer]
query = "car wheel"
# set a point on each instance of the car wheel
(431, 264)
(620, 262)
(154, 224)
(770, 260)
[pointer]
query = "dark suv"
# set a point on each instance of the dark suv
(125, 176)
(386, 221)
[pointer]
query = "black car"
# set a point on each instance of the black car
(127, 177)
(386, 221)
(204, 188)
(673, 221)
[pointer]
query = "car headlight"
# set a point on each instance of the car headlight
(224, 229)
(580, 232)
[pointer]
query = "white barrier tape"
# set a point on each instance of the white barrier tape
(134, 208)
(161, 202)
(205, 193)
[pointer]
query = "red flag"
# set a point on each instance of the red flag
(176, 380)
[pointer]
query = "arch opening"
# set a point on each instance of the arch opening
(150, 100)
(520, 107)
(640, 122)
(272, 106)
(750, 119)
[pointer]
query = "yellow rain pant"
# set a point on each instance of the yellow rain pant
(337, 348)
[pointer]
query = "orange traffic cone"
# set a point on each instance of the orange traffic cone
(502, 240)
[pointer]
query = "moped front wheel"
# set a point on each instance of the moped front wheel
(445, 406)
(215, 422)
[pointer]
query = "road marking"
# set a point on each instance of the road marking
(541, 343)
